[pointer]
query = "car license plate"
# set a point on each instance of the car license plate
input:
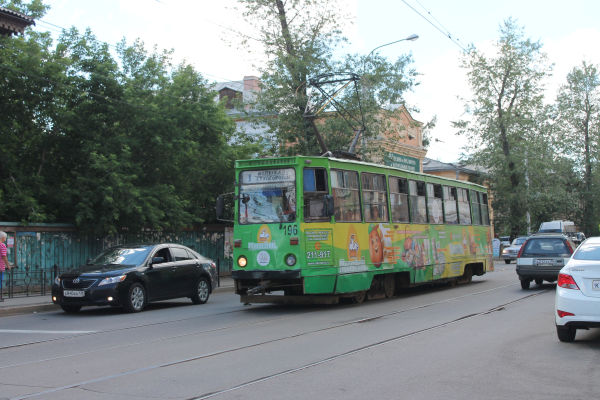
(73, 293)
(596, 284)
(544, 262)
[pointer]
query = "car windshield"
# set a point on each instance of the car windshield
(588, 252)
(122, 256)
(546, 247)
(519, 241)
(267, 196)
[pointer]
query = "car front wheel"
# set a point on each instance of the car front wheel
(136, 298)
(507, 261)
(202, 292)
(565, 333)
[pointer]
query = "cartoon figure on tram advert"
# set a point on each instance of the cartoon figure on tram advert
(376, 245)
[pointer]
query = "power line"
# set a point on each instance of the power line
(445, 33)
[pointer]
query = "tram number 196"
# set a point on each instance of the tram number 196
(290, 230)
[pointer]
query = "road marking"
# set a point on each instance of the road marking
(44, 332)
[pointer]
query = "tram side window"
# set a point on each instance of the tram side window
(450, 205)
(346, 196)
(399, 199)
(475, 211)
(485, 213)
(464, 209)
(434, 203)
(315, 189)
(418, 204)
(374, 196)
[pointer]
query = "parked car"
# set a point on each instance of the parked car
(542, 256)
(504, 241)
(577, 237)
(131, 276)
(510, 253)
(577, 299)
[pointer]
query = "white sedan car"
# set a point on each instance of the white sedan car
(577, 301)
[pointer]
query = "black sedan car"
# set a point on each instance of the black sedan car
(131, 276)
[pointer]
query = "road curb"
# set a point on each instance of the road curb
(35, 308)
(44, 307)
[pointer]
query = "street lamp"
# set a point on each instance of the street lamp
(411, 38)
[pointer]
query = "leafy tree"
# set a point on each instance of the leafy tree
(29, 73)
(506, 130)
(299, 38)
(578, 116)
(108, 144)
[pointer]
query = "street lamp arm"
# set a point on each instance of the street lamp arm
(410, 38)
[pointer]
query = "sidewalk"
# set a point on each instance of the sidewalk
(34, 304)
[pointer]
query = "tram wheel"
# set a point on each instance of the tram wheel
(389, 286)
(360, 297)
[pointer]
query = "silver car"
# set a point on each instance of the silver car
(510, 253)
(542, 256)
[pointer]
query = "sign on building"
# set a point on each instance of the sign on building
(401, 161)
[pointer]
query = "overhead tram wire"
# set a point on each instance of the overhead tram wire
(445, 33)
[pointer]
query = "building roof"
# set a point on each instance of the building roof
(430, 165)
(13, 22)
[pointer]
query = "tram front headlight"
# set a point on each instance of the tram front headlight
(242, 261)
(290, 260)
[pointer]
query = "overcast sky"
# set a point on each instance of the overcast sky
(204, 33)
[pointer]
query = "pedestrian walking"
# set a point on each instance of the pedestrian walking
(4, 265)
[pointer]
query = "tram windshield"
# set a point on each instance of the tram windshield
(267, 196)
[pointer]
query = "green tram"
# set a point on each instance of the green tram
(321, 230)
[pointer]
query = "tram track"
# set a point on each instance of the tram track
(271, 341)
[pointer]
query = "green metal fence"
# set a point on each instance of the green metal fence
(43, 250)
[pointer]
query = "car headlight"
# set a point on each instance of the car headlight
(112, 279)
(57, 281)
(242, 261)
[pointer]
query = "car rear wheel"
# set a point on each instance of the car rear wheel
(202, 292)
(70, 308)
(507, 261)
(565, 333)
(136, 298)
(539, 282)
(525, 284)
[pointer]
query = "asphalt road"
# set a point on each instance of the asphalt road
(488, 339)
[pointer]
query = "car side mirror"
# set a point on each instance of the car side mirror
(329, 205)
(157, 260)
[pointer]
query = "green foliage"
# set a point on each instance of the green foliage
(299, 38)
(507, 131)
(578, 118)
(108, 144)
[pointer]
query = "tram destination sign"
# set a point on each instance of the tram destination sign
(268, 175)
(401, 161)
